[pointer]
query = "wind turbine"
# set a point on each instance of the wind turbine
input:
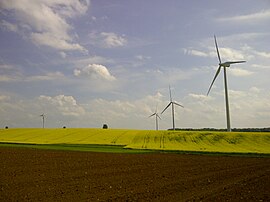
(172, 103)
(43, 119)
(157, 116)
(224, 65)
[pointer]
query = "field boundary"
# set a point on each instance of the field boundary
(122, 149)
(76, 147)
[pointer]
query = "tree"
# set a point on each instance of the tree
(105, 126)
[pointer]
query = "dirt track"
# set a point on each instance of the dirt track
(42, 175)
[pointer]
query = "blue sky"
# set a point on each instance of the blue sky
(85, 63)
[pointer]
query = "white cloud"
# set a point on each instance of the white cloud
(169, 76)
(195, 52)
(56, 42)
(262, 54)
(240, 72)
(4, 98)
(237, 93)
(8, 26)
(127, 113)
(7, 78)
(112, 40)
(255, 89)
(229, 54)
(46, 77)
(107, 39)
(10, 73)
(52, 30)
(226, 54)
(63, 54)
(142, 58)
(93, 60)
(263, 15)
(95, 71)
(65, 105)
(200, 96)
(249, 108)
(261, 66)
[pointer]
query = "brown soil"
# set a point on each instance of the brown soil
(47, 175)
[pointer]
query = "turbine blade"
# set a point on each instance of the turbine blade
(178, 104)
(152, 115)
(214, 79)
(158, 116)
(166, 107)
(217, 50)
(234, 62)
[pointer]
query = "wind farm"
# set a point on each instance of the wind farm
(103, 156)
(134, 100)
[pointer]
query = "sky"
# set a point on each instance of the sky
(84, 63)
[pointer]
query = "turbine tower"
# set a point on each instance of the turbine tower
(157, 117)
(43, 119)
(172, 103)
(224, 65)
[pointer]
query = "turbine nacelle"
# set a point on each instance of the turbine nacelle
(155, 114)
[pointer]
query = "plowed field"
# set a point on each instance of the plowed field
(49, 175)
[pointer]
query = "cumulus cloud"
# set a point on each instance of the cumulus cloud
(107, 39)
(95, 71)
(52, 30)
(65, 105)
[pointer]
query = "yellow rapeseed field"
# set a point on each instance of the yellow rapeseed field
(145, 139)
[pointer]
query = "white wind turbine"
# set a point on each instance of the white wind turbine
(224, 65)
(43, 119)
(157, 117)
(172, 103)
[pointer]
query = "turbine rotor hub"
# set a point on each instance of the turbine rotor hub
(225, 64)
